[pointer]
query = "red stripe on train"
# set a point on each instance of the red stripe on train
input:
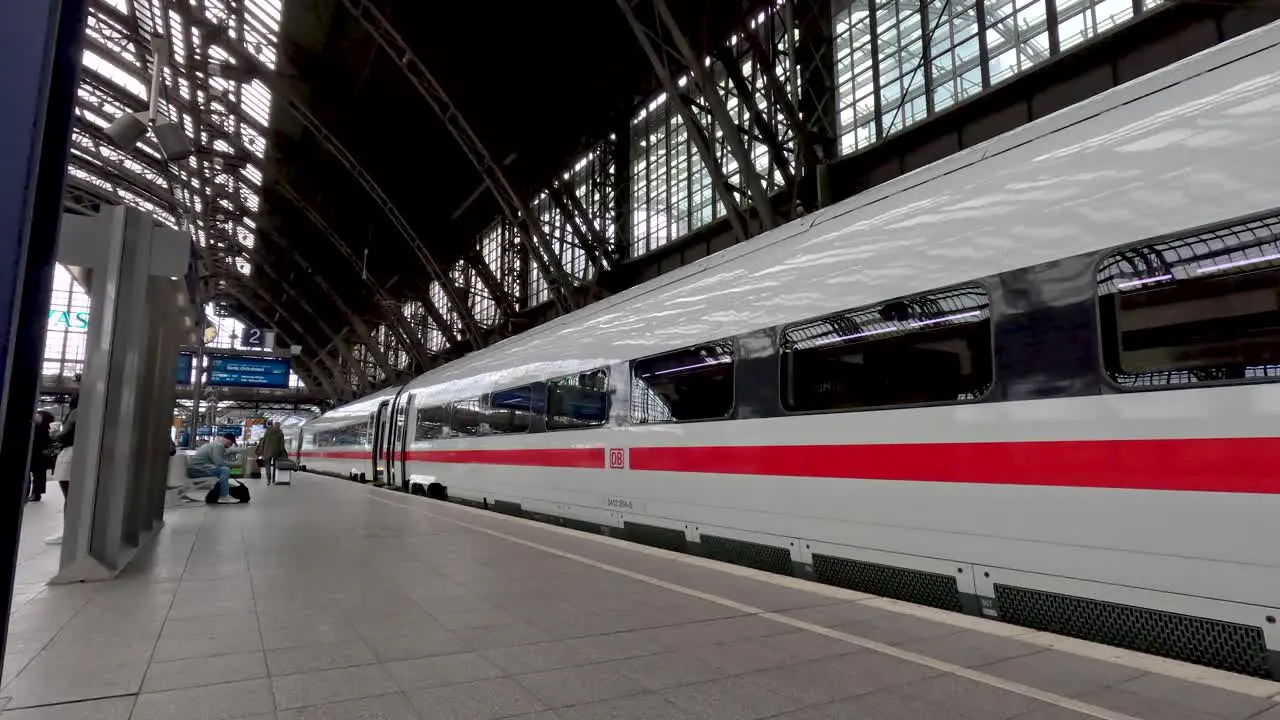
(1235, 465)
(538, 457)
(365, 454)
(531, 457)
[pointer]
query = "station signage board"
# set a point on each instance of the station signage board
(68, 320)
(249, 372)
(209, 430)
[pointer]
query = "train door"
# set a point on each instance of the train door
(381, 424)
(398, 444)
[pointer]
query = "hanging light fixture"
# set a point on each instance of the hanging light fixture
(129, 129)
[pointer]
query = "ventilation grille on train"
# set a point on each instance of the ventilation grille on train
(924, 588)
(753, 555)
(659, 537)
(1223, 645)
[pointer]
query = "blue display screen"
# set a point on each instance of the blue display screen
(226, 371)
(208, 431)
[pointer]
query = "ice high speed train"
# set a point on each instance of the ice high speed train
(1035, 380)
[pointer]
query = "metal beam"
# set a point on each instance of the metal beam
(460, 307)
(395, 319)
(592, 244)
(815, 116)
(764, 128)
(138, 182)
(506, 304)
(620, 150)
(720, 111)
(344, 351)
(342, 392)
(298, 336)
(283, 94)
(512, 203)
(362, 331)
(699, 137)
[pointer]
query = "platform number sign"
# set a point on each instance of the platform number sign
(617, 458)
(254, 337)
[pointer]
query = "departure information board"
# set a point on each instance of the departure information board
(238, 371)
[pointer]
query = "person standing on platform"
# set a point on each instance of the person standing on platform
(211, 461)
(272, 449)
(40, 461)
(66, 441)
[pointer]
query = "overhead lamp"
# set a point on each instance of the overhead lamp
(129, 129)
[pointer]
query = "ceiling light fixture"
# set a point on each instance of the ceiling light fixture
(129, 129)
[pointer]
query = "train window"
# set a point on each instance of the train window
(694, 383)
(432, 423)
(508, 411)
(578, 401)
(924, 349)
(466, 417)
(356, 433)
(1198, 309)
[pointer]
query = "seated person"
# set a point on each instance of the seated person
(210, 462)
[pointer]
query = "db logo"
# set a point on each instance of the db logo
(617, 458)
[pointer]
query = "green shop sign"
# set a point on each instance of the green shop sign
(64, 320)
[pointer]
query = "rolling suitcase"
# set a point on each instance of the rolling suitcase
(284, 471)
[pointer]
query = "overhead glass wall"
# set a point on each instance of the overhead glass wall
(586, 193)
(900, 61)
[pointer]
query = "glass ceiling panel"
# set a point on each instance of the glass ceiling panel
(218, 188)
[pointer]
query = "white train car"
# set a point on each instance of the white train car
(341, 442)
(1034, 381)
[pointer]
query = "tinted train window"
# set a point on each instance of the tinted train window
(578, 401)
(466, 417)
(925, 349)
(1198, 309)
(432, 423)
(508, 411)
(691, 384)
(356, 433)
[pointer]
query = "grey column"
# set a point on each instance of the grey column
(141, 314)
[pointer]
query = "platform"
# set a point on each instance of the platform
(331, 600)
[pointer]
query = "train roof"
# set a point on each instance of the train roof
(1183, 147)
(356, 408)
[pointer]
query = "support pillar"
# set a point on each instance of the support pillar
(815, 62)
(39, 61)
(142, 314)
(621, 147)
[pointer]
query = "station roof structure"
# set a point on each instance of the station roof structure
(390, 184)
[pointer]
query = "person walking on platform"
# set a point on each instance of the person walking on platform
(211, 461)
(40, 461)
(272, 449)
(65, 441)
